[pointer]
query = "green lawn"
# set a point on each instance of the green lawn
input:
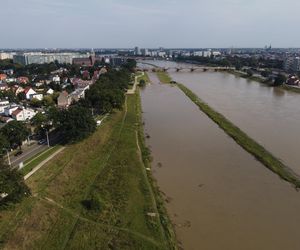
(107, 168)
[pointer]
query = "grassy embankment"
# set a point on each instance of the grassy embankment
(252, 78)
(163, 77)
(37, 159)
(107, 170)
(250, 145)
(142, 76)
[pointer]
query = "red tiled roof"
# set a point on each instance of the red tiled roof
(27, 89)
(17, 111)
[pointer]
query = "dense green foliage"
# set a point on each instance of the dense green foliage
(109, 91)
(15, 132)
(76, 123)
(236, 62)
(279, 80)
(12, 186)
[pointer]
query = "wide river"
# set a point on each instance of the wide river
(219, 197)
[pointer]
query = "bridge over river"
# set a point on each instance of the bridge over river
(192, 68)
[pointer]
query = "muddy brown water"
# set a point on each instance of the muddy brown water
(219, 196)
(271, 116)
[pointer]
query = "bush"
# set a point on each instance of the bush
(142, 83)
(92, 204)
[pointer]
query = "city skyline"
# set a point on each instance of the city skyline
(168, 23)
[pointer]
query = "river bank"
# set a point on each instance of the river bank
(213, 188)
(95, 194)
(250, 145)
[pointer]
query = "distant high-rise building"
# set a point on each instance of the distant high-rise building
(292, 64)
(145, 52)
(41, 58)
(137, 51)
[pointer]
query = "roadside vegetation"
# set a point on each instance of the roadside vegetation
(250, 145)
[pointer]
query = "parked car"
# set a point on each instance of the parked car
(18, 153)
(41, 142)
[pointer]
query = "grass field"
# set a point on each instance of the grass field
(106, 169)
(163, 77)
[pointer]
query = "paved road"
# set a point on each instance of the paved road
(34, 149)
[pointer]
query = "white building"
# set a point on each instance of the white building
(23, 114)
(8, 110)
(31, 94)
(56, 79)
(4, 55)
(50, 91)
(3, 104)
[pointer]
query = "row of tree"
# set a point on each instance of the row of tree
(234, 61)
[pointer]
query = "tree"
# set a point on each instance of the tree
(266, 73)
(38, 121)
(142, 83)
(48, 101)
(279, 80)
(12, 186)
(35, 103)
(76, 123)
(249, 72)
(21, 96)
(4, 145)
(16, 132)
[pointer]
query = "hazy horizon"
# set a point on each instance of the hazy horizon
(164, 23)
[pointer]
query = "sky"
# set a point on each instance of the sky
(149, 23)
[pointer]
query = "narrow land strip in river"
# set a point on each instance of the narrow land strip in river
(250, 145)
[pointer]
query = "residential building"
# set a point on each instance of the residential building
(3, 104)
(56, 79)
(23, 80)
(31, 94)
(292, 64)
(4, 87)
(11, 108)
(63, 101)
(3, 77)
(41, 58)
(50, 91)
(22, 114)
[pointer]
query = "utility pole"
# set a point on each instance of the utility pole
(47, 138)
(8, 158)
